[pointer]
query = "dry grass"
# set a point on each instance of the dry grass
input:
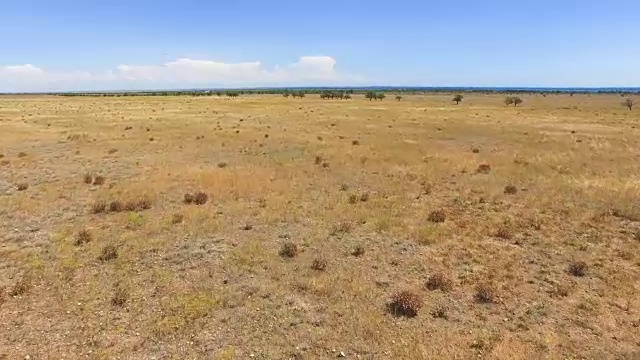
(405, 303)
(201, 284)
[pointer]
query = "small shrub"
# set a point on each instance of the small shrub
(440, 312)
(120, 295)
(112, 151)
(22, 186)
(88, 179)
(188, 198)
(99, 207)
(319, 264)
(20, 287)
(83, 237)
(439, 281)
(289, 250)
(475, 150)
(177, 218)
(341, 228)
(353, 199)
(222, 164)
(98, 180)
(578, 268)
(504, 233)
(344, 187)
(325, 164)
(405, 303)
(437, 216)
(318, 160)
(247, 227)
(510, 190)
(200, 198)
(483, 169)
(109, 252)
(485, 294)
(116, 206)
(364, 197)
(358, 251)
(355, 142)
(22, 154)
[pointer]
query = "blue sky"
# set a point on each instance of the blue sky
(117, 44)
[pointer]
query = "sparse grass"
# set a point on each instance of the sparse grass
(510, 190)
(21, 286)
(405, 303)
(99, 180)
(199, 277)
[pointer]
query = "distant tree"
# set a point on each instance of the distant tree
(458, 98)
(517, 101)
(380, 96)
(629, 103)
(347, 96)
(398, 97)
(370, 95)
(301, 94)
(508, 101)
(286, 94)
(233, 94)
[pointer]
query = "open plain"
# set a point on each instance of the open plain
(267, 227)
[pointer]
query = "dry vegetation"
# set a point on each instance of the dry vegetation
(219, 228)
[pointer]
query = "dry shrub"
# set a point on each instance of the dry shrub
(139, 204)
(483, 169)
(222, 164)
(88, 179)
(20, 287)
(437, 216)
(475, 150)
(319, 264)
(439, 281)
(200, 198)
(578, 268)
(120, 295)
(364, 197)
(98, 180)
(341, 228)
(289, 250)
(318, 159)
(405, 303)
(22, 186)
(353, 199)
(440, 312)
(510, 190)
(177, 218)
(355, 142)
(112, 151)
(485, 294)
(83, 237)
(99, 207)
(116, 206)
(109, 252)
(504, 233)
(22, 154)
(188, 198)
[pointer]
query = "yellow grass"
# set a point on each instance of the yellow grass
(213, 285)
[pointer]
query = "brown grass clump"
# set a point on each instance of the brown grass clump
(353, 199)
(98, 180)
(222, 164)
(140, 204)
(116, 206)
(22, 154)
(355, 142)
(22, 186)
(405, 303)
(112, 151)
(440, 312)
(318, 160)
(83, 237)
(20, 287)
(364, 197)
(437, 216)
(485, 294)
(504, 233)
(483, 169)
(637, 235)
(99, 207)
(342, 227)
(439, 281)
(120, 295)
(510, 190)
(88, 179)
(177, 218)
(289, 250)
(578, 268)
(475, 150)
(188, 198)
(319, 264)
(197, 198)
(108, 253)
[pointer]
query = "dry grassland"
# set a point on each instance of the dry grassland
(270, 228)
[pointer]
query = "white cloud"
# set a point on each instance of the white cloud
(181, 73)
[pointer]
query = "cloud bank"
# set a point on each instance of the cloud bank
(181, 73)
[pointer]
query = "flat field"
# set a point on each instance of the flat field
(318, 229)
